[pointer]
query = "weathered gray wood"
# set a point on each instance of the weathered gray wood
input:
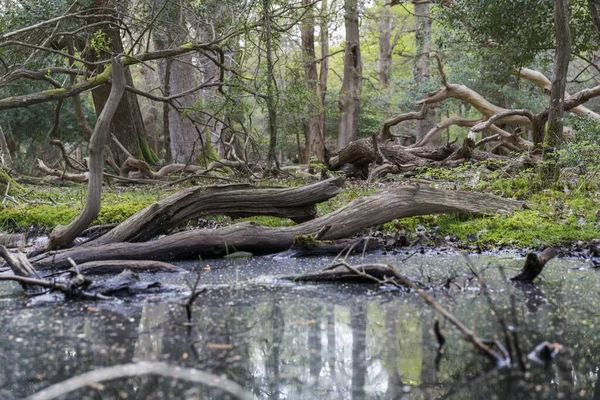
(368, 273)
(118, 266)
(354, 218)
(298, 204)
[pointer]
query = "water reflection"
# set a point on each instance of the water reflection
(308, 342)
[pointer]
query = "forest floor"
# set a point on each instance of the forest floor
(565, 213)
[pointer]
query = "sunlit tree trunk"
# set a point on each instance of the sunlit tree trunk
(421, 70)
(352, 83)
(315, 135)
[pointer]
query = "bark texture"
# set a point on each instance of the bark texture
(128, 124)
(236, 201)
(357, 216)
(316, 141)
(561, 67)
(422, 71)
(352, 81)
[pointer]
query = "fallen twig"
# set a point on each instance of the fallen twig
(138, 369)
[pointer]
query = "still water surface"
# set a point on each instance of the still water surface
(281, 340)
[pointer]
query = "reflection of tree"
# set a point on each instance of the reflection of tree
(358, 324)
(314, 344)
(392, 354)
(331, 349)
(273, 361)
(429, 372)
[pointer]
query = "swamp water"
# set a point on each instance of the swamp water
(306, 341)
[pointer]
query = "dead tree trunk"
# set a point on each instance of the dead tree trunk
(236, 201)
(352, 82)
(354, 218)
(63, 236)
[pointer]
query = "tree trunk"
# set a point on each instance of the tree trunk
(386, 25)
(63, 236)
(271, 89)
(352, 83)
(554, 131)
(324, 70)
(316, 142)
(421, 72)
(185, 141)
(178, 75)
(128, 124)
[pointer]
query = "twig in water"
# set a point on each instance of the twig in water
(138, 369)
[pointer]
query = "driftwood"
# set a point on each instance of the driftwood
(534, 264)
(118, 266)
(367, 273)
(354, 218)
(308, 246)
(297, 204)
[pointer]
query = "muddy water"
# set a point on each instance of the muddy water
(291, 341)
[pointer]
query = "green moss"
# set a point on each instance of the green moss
(147, 153)
(5, 180)
(49, 207)
(188, 46)
(101, 77)
(53, 92)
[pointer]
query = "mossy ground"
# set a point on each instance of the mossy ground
(557, 214)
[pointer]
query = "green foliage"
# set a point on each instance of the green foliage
(100, 43)
(582, 152)
(512, 33)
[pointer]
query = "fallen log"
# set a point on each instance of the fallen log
(297, 204)
(360, 214)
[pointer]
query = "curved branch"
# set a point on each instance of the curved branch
(499, 116)
(63, 236)
(541, 81)
(100, 79)
(458, 121)
(138, 369)
(386, 134)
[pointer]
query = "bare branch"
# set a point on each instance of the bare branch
(138, 369)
